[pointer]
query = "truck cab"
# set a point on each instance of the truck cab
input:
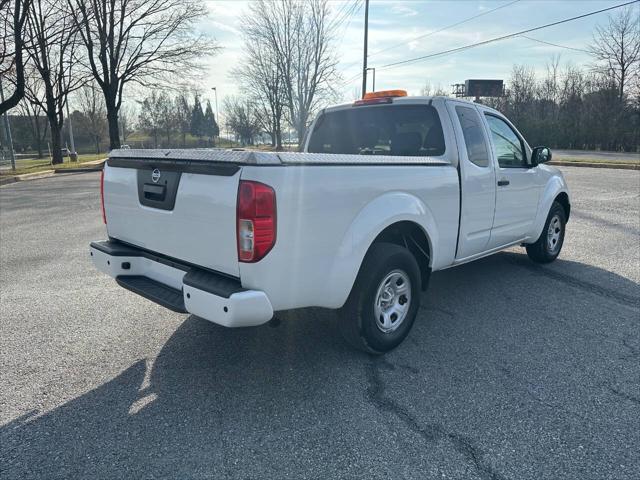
(501, 182)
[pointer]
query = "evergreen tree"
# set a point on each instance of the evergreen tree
(197, 119)
(210, 126)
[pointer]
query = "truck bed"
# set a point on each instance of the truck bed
(322, 200)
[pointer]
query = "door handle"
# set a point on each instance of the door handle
(503, 183)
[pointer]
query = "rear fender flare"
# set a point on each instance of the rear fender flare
(383, 211)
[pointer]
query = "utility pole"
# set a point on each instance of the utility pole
(7, 128)
(373, 87)
(364, 57)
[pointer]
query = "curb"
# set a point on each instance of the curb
(93, 166)
(96, 162)
(27, 176)
(78, 170)
(620, 166)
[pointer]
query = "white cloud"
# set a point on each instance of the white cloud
(403, 10)
(229, 11)
(224, 27)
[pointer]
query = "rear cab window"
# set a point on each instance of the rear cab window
(396, 130)
(471, 126)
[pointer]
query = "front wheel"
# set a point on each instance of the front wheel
(547, 248)
(384, 301)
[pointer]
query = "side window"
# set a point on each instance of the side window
(473, 136)
(509, 147)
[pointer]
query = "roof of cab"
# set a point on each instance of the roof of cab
(415, 99)
(396, 100)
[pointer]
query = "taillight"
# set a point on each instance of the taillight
(256, 220)
(104, 215)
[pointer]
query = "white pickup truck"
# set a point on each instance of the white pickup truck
(388, 189)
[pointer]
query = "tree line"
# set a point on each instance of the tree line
(53, 48)
(30, 127)
(597, 107)
(570, 108)
(169, 121)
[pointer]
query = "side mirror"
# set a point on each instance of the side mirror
(541, 155)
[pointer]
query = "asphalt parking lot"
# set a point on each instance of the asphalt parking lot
(512, 370)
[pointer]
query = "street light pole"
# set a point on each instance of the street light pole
(364, 56)
(215, 91)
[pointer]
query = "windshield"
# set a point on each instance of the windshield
(398, 130)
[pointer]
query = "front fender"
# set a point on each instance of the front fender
(383, 211)
(554, 186)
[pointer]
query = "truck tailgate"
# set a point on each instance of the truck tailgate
(185, 213)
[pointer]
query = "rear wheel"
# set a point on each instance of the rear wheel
(384, 301)
(547, 248)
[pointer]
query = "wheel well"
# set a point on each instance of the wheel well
(563, 199)
(411, 236)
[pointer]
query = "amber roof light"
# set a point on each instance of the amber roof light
(383, 96)
(385, 93)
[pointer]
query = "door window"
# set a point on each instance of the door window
(473, 136)
(509, 148)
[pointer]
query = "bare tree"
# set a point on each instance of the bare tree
(156, 116)
(13, 17)
(182, 111)
(37, 122)
(300, 35)
(521, 94)
(126, 118)
(139, 41)
(546, 109)
(550, 90)
(168, 120)
(616, 48)
(51, 49)
(92, 107)
(259, 77)
(241, 119)
(429, 90)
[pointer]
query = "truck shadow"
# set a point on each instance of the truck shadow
(217, 402)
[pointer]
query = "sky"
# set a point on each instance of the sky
(400, 22)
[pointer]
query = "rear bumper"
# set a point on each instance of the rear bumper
(181, 287)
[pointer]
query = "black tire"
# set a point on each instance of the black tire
(357, 319)
(545, 250)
